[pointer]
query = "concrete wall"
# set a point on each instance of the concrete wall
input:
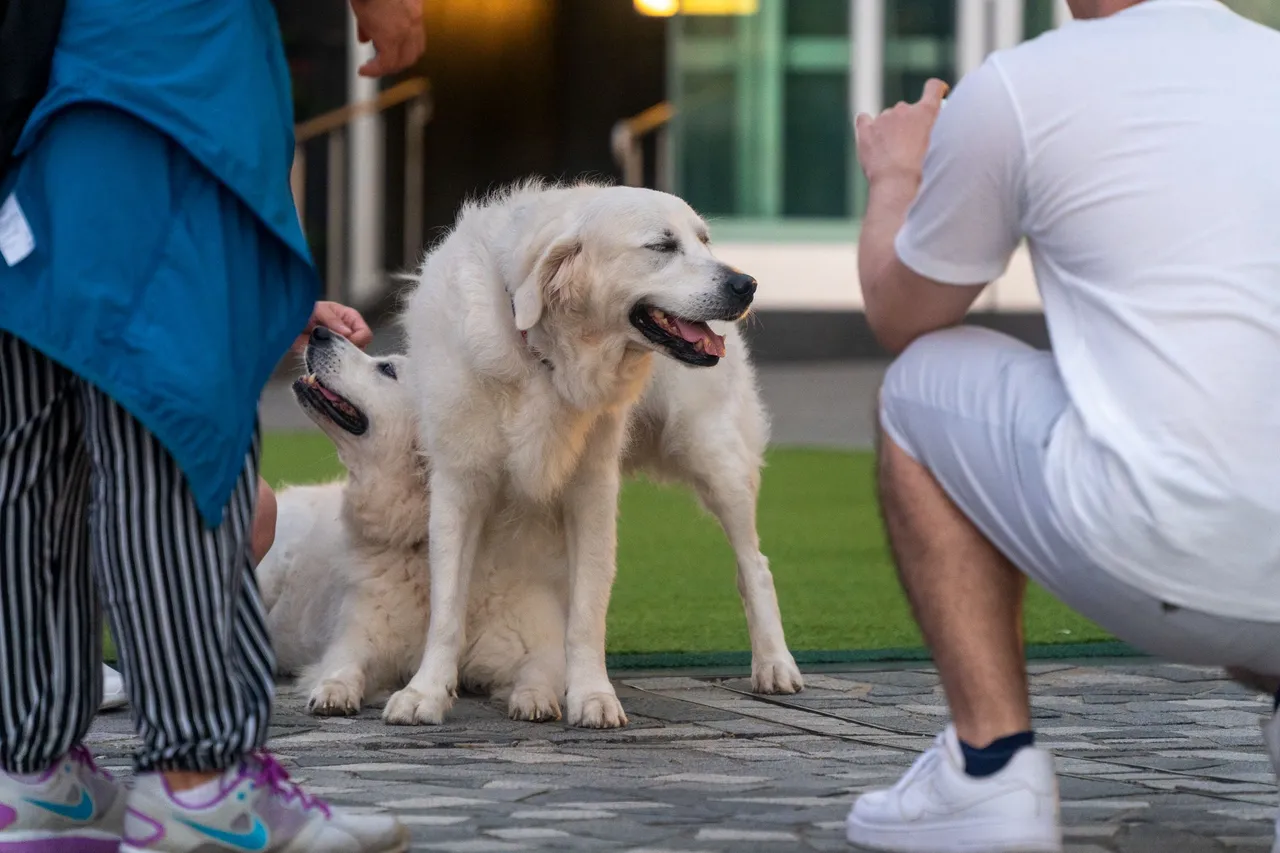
(809, 305)
(824, 277)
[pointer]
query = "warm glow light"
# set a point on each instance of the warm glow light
(719, 7)
(667, 8)
(658, 8)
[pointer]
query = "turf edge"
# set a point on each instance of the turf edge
(691, 660)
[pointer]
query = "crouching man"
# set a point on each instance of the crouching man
(1134, 472)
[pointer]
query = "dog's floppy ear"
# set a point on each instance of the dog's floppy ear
(546, 282)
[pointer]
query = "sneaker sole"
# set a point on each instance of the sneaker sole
(398, 847)
(59, 843)
(956, 837)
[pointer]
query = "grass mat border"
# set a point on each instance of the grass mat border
(703, 660)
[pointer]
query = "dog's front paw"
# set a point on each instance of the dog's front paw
(334, 698)
(597, 710)
(776, 675)
(534, 705)
(409, 707)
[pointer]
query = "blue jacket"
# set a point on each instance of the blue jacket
(169, 269)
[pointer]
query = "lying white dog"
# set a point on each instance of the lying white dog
(345, 581)
(532, 336)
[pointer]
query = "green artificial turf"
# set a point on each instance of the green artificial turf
(676, 592)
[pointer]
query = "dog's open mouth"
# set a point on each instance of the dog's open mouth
(335, 407)
(690, 341)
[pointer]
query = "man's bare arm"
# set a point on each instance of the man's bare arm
(901, 305)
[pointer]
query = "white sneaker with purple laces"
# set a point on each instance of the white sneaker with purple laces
(71, 806)
(254, 809)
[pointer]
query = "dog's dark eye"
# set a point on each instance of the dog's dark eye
(667, 245)
(387, 369)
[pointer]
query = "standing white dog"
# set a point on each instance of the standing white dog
(346, 583)
(532, 335)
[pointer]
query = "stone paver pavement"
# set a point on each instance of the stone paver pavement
(1152, 757)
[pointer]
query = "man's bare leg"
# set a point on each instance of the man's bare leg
(965, 595)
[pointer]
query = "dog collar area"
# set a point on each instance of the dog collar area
(524, 336)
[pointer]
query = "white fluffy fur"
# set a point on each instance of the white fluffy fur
(524, 461)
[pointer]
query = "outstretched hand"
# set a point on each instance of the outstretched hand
(893, 144)
(342, 319)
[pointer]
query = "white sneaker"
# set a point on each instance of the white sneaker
(113, 695)
(1271, 736)
(72, 806)
(937, 808)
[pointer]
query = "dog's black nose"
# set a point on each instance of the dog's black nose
(741, 285)
(321, 335)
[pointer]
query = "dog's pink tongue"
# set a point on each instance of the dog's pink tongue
(713, 344)
(328, 395)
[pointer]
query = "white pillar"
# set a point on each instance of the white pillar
(365, 275)
(972, 37)
(1009, 23)
(983, 26)
(1061, 13)
(866, 56)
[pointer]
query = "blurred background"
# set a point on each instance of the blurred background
(743, 107)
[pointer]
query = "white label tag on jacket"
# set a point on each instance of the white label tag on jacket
(16, 239)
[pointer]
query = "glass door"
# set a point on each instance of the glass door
(762, 131)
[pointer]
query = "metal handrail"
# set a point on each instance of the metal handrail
(415, 92)
(342, 116)
(627, 142)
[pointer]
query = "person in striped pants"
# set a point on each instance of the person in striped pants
(97, 502)
(347, 322)
(153, 272)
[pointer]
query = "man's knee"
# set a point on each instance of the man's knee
(951, 370)
(904, 385)
(264, 522)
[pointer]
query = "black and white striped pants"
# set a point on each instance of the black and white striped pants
(91, 504)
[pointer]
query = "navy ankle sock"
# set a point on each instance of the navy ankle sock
(992, 759)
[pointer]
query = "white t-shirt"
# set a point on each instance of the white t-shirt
(1139, 155)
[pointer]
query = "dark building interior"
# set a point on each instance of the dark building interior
(520, 88)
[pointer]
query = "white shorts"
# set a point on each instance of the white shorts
(977, 409)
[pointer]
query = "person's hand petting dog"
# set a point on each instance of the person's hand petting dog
(339, 318)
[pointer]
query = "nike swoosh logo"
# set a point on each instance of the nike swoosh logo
(253, 841)
(82, 810)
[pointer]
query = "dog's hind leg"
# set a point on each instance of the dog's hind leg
(339, 679)
(539, 684)
(538, 681)
(729, 488)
